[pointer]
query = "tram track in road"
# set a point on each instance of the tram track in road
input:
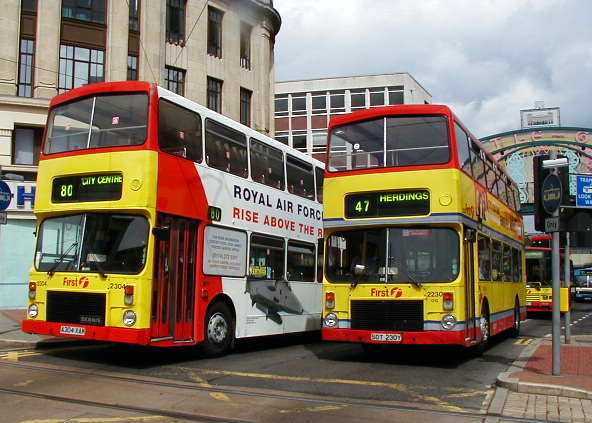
(303, 402)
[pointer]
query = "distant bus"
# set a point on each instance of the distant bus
(582, 285)
(161, 222)
(539, 277)
(423, 234)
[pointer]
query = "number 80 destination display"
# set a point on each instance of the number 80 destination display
(80, 188)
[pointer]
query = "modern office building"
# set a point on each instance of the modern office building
(219, 53)
(303, 108)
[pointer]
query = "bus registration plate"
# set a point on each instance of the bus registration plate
(386, 337)
(72, 330)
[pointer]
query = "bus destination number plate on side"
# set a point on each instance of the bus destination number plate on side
(72, 330)
(79, 188)
(388, 204)
(386, 337)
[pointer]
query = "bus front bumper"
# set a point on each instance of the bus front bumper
(76, 331)
(427, 337)
(536, 306)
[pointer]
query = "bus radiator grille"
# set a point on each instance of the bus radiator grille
(77, 308)
(387, 315)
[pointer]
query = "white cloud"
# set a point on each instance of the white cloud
(488, 59)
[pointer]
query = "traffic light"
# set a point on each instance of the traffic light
(539, 174)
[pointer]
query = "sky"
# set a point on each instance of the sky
(487, 59)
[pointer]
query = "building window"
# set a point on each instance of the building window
(282, 136)
(25, 84)
(29, 6)
(358, 99)
(215, 94)
(298, 104)
(245, 106)
(318, 102)
(395, 95)
(215, 32)
(299, 140)
(80, 66)
(175, 21)
(376, 97)
(134, 16)
(27, 145)
(245, 45)
(132, 68)
(84, 10)
(175, 80)
(337, 102)
(281, 105)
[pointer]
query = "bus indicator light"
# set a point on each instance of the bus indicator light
(32, 290)
(330, 299)
(128, 297)
(448, 303)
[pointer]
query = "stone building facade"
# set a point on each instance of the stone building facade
(219, 53)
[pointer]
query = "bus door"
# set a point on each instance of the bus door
(173, 296)
(469, 273)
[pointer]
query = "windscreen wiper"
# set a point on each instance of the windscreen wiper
(413, 281)
(51, 271)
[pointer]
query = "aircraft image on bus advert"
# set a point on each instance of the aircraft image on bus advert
(164, 223)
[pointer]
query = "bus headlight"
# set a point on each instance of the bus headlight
(448, 321)
(33, 311)
(331, 320)
(129, 317)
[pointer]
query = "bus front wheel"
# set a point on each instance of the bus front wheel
(219, 328)
(516, 325)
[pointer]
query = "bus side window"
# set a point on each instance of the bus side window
(300, 177)
(516, 265)
(507, 263)
(484, 254)
(179, 131)
(320, 259)
(464, 159)
(226, 149)
(267, 164)
(319, 176)
(301, 261)
(496, 260)
(266, 257)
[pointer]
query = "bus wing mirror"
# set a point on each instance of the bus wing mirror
(470, 235)
(161, 232)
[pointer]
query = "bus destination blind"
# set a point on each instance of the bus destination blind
(81, 188)
(388, 204)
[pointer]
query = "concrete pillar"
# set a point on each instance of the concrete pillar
(5, 146)
(196, 80)
(117, 38)
(9, 47)
(47, 48)
(263, 121)
(152, 34)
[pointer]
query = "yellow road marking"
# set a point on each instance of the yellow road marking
(466, 394)
(25, 383)
(98, 419)
(523, 341)
(394, 386)
(219, 396)
(318, 409)
(15, 355)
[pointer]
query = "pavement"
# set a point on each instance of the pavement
(529, 390)
(10, 330)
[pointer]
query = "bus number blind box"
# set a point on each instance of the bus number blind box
(5, 195)
(584, 191)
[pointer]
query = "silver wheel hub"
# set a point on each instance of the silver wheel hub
(217, 328)
(484, 329)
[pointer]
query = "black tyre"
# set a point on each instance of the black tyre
(516, 326)
(219, 330)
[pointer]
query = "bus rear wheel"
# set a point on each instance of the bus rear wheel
(485, 330)
(516, 326)
(219, 330)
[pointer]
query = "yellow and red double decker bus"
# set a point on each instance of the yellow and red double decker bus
(161, 222)
(539, 276)
(423, 235)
